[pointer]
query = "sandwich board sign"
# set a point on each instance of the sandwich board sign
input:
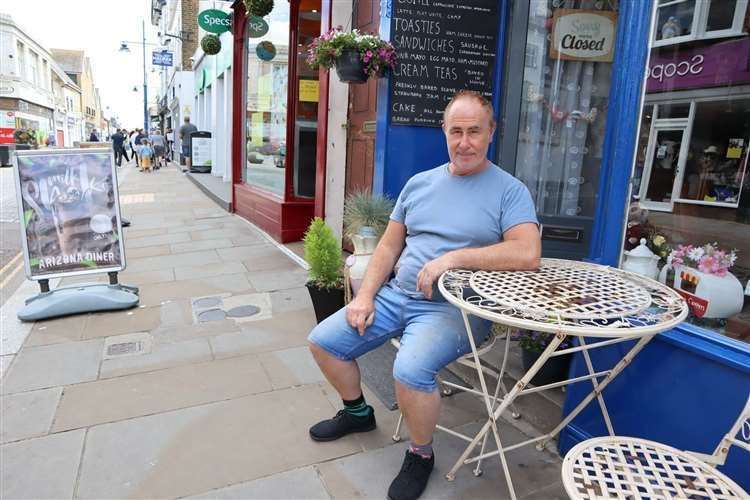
(70, 213)
(200, 149)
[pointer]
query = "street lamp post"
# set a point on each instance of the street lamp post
(145, 85)
(124, 48)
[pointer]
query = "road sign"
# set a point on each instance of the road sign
(161, 58)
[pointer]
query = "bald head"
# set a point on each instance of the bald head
(475, 97)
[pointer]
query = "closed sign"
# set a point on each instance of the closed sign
(583, 35)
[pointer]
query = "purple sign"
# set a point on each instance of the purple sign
(717, 65)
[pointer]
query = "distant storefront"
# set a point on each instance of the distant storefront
(20, 114)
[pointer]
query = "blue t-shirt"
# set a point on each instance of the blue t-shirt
(444, 212)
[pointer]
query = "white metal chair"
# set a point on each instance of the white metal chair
(447, 387)
(632, 468)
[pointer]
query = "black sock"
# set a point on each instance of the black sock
(357, 407)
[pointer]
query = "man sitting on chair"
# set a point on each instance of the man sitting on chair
(467, 213)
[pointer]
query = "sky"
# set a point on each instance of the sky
(97, 27)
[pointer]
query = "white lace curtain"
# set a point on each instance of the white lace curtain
(563, 118)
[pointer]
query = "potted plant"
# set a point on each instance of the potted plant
(356, 56)
(211, 44)
(326, 283)
(365, 218)
(532, 345)
(258, 8)
(364, 209)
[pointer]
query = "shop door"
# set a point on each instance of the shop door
(360, 144)
(554, 118)
(60, 139)
(665, 162)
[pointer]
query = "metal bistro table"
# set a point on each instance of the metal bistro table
(566, 299)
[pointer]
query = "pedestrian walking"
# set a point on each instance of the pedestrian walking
(137, 142)
(186, 131)
(160, 147)
(125, 145)
(170, 144)
(94, 137)
(146, 154)
(117, 146)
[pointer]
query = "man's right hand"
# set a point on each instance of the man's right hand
(360, 313)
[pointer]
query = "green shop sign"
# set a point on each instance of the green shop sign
(256, 27)
(215, 21)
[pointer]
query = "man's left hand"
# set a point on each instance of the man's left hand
(430, 273)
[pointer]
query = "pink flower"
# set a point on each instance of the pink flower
(707, 264)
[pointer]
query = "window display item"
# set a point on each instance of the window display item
(734, 151)
(641, 260)
(708, 295)
(671, 28)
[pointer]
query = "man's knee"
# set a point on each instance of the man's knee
(411, 372)
(327, 339)
(317, 351)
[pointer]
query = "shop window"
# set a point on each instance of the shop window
(680, 21)
(266, 112)
(563, 110)
(691, 188)
(21, 51)
(34, 69)
(306, 119)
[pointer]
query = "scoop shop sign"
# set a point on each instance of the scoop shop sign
(214, 21)
(583, 35)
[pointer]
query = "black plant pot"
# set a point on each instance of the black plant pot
(326, 301)
(350, 68)
(554, 370)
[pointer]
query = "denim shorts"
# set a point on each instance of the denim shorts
(432, 335)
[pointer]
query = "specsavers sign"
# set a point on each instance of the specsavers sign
(214, 21)
(583, 35)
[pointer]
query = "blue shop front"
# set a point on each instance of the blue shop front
(629, 122)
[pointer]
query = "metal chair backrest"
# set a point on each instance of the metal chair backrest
(741, 427)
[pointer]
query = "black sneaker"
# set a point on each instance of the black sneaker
(412, 480)
(341, 425)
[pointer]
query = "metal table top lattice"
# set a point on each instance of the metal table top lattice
(629, 468)
(565, 296)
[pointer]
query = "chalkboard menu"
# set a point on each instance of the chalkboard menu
(442, 46)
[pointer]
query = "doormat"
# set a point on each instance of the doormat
(376, 368)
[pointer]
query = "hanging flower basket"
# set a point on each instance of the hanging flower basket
(211, 44)
(350, 67)
(355, 55)
(259, 8)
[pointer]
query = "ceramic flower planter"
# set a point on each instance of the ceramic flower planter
(364, 246)
(708, 295)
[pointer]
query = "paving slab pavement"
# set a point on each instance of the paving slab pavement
(176, 398)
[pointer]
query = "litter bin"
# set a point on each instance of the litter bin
(6, 153)
(7, 150)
